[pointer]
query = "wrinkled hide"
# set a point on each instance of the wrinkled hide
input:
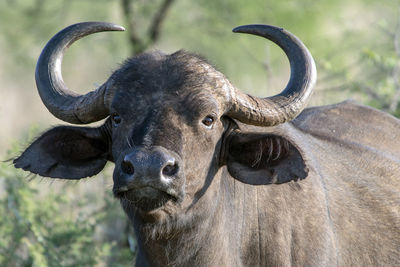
(345, 213)
(203, 189)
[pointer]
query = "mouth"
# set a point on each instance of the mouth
(145, 198)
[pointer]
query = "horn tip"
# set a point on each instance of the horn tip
(110, 26)
(118, 28)
(100, 26)
(237, 29)
(253, 28)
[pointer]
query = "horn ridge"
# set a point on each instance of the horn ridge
(286, 105)
(56, 96)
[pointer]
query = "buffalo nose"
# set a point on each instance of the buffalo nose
(127, 166)
(170, 168)
(153, 164)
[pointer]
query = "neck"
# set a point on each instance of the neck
(197, 236)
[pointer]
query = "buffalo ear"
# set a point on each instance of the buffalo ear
(66, 152)
(260, 159)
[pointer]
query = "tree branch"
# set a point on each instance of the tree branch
(140, 43)
(396, 72)
(137, 44)
(154, 30)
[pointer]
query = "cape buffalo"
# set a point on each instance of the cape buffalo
(210, 176)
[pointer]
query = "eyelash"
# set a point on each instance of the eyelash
(208, 121)
(116, 119)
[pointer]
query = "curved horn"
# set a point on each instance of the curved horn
(59, 100)
(292, 100)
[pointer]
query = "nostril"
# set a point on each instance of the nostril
(127, 167)
(170, 169)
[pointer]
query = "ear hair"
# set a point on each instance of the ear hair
(268, 150)
(66, 152)
(256, 158)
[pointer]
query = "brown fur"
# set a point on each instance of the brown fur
(322, 190)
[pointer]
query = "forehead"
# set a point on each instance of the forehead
(175, 80)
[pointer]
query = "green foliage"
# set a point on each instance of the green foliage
(58, 227)
(356, 45)
(340, 34)
(375, 76)
(26, 26)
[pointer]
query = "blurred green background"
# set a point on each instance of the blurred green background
(49, 222)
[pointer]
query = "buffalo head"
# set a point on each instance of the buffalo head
(172, 124)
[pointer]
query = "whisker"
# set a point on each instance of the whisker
(279, 149)
(129, 143)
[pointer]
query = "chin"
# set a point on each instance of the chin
(149, 204)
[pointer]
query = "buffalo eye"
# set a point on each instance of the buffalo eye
(208, 121)
(116, 119)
